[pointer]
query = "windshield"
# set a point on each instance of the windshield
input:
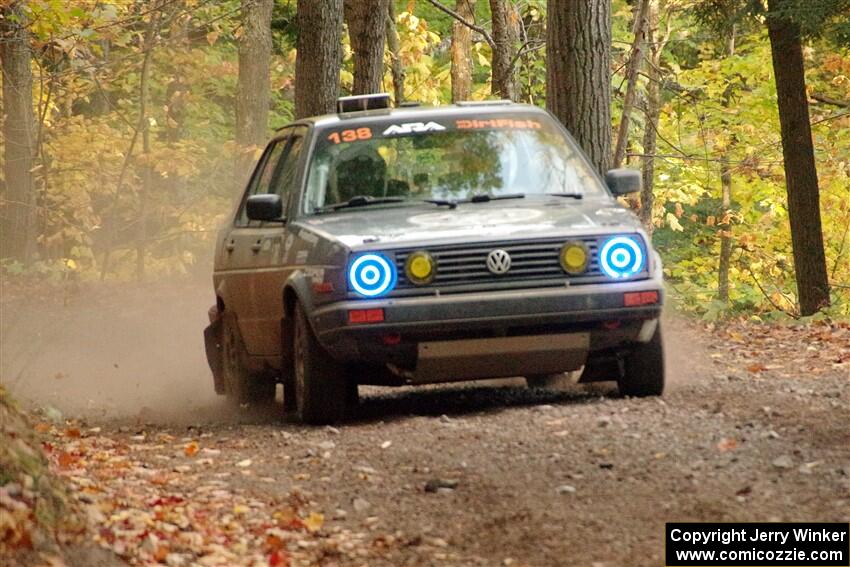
(446, 159)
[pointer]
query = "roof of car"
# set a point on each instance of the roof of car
(465, 109)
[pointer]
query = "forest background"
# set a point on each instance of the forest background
(141, 135)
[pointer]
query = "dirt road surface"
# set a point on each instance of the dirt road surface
(755, 427)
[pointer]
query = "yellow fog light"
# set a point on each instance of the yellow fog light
(420, 268)
(574, 257)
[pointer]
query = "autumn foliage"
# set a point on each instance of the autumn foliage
(134, 170)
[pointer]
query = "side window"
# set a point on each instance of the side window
(262, 180)
(284, 183)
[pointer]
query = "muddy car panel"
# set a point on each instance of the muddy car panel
(456, 328)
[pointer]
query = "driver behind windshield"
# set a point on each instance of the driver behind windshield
(361, 171)
(447, 163)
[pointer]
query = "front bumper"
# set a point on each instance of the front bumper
(598, 308)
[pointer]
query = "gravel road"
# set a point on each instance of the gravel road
(755, 427)
(503, 476)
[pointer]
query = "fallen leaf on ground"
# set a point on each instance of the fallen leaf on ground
(72, 432)
(66, 460)
(314, 522)
(191, 449)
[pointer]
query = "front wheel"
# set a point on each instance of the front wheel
(322, 392)
(644, 369)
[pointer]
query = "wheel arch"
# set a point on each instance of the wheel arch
(295, 291)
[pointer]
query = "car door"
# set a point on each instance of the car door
(267, 288)
(248, 250)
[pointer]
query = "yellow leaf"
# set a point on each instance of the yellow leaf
(314, 522)
(674, 222)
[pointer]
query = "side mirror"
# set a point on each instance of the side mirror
(623, 181)
(266, 207)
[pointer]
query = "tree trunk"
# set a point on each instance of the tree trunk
(319, 55)
(653, 111)
(461, 48)
(17, 231)
(726, 196)
(801, 177)
(578, 90)
(505, 34)
(638, 46)
(725, 228)
(113, 217)
(395, 54)
(253, 91)
(367, 32)
(650, 139)
(144, 124)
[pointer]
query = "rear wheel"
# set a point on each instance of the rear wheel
(322, 392)
(241, 386)
(644, 369)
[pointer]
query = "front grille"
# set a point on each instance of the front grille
(532, 262)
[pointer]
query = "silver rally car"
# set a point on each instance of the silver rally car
(419, 245)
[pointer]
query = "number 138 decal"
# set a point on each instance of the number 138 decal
(350, 135)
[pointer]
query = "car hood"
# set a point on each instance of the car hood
(471, 222)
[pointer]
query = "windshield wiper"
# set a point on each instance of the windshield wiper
(486, 197)
(573, 195)
(478, 198)
(359, 201)
(450, 203)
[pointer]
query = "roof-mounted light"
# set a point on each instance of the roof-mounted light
(358, 103)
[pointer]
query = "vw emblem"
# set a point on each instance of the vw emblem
(498, 262)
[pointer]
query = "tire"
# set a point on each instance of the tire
(241, 387)
(644, 369)
(323, 393)
(287, 370)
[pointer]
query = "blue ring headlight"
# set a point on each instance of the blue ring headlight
(621, 257)
(372, 275)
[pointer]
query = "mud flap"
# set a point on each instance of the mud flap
(602, 369)
(212, 343)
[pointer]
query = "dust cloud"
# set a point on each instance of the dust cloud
(111, 351)
(136, 354)
(686, 352)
